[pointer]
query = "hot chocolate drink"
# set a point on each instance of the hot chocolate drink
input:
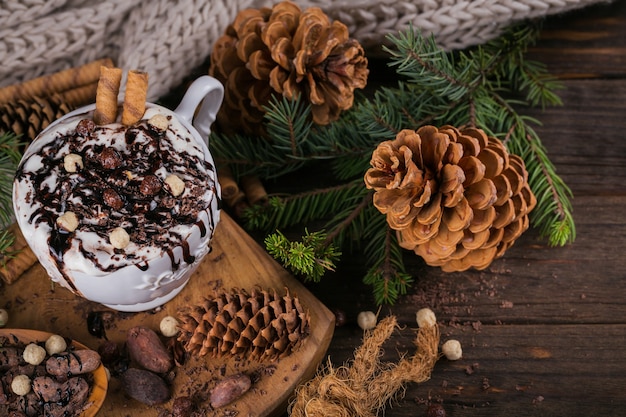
(114, 202)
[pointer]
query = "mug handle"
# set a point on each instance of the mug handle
(208, 93)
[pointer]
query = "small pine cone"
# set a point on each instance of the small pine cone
(262, 325)
(455, 197)
(29, 117)
(285, 51)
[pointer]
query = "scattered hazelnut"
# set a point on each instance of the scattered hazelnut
(72, 162)
(85, 127)
(452, 350)
(366, 320)
(68, 221)
(150, 185)
(34, 354)
(119, 238)
(175, 184)
(425, 317)
(55, 344)
(159, 122)
(4, 317)
(112, 199)
(20, 385)
(169, 326)
(110, 159)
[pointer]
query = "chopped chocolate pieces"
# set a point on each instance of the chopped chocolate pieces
(150, 185)
(112, 199)
(110, 159)
(85, 127)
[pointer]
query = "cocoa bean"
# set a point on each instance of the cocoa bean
(9, 357)
(229, 389)
(147, 350)
(73, 363)
(145, 386)
(51, 390)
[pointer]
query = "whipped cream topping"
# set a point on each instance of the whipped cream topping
(119, 182)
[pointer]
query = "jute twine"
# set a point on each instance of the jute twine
(170, 39)
(365, 386)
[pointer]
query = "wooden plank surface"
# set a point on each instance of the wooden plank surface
(544, 328)
(236, 261)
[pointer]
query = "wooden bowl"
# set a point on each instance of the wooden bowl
(99, 384)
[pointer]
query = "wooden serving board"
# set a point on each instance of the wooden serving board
(236, 261)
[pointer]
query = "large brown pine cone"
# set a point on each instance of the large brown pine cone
(285, 51)
(455, 197)
(263, 325)
(29, 117)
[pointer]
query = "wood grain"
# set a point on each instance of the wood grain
(236, 261)
(544, 328)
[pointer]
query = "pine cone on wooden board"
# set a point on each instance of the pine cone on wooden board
(455, 196)
(285, 51)
(262, 325)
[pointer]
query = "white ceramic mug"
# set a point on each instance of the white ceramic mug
(152, 282)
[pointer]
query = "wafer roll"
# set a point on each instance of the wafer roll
(55, 83)
(106, 95)
(79, 96)
(135, 97)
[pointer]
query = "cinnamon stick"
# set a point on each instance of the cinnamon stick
(23, 259)
(254, 189)
(55, 83)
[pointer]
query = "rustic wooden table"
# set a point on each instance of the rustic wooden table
(544, 328)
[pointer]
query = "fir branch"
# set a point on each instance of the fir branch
(283, 212)
(484, 86)
(387, 275)
(9, 158)
(310, 258)
(553, 214)
(420, 59)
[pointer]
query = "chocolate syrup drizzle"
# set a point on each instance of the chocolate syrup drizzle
(147, 218)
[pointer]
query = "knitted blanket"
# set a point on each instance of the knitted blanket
(169, 39)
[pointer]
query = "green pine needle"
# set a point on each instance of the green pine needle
(9, 158)
(310, 258)
(485, 86)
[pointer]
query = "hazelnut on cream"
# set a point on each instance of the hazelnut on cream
(119, 238)
(68, 221)
(175, 184)
(72, 162)
(159, 122)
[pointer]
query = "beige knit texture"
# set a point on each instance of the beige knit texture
(170, 39)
